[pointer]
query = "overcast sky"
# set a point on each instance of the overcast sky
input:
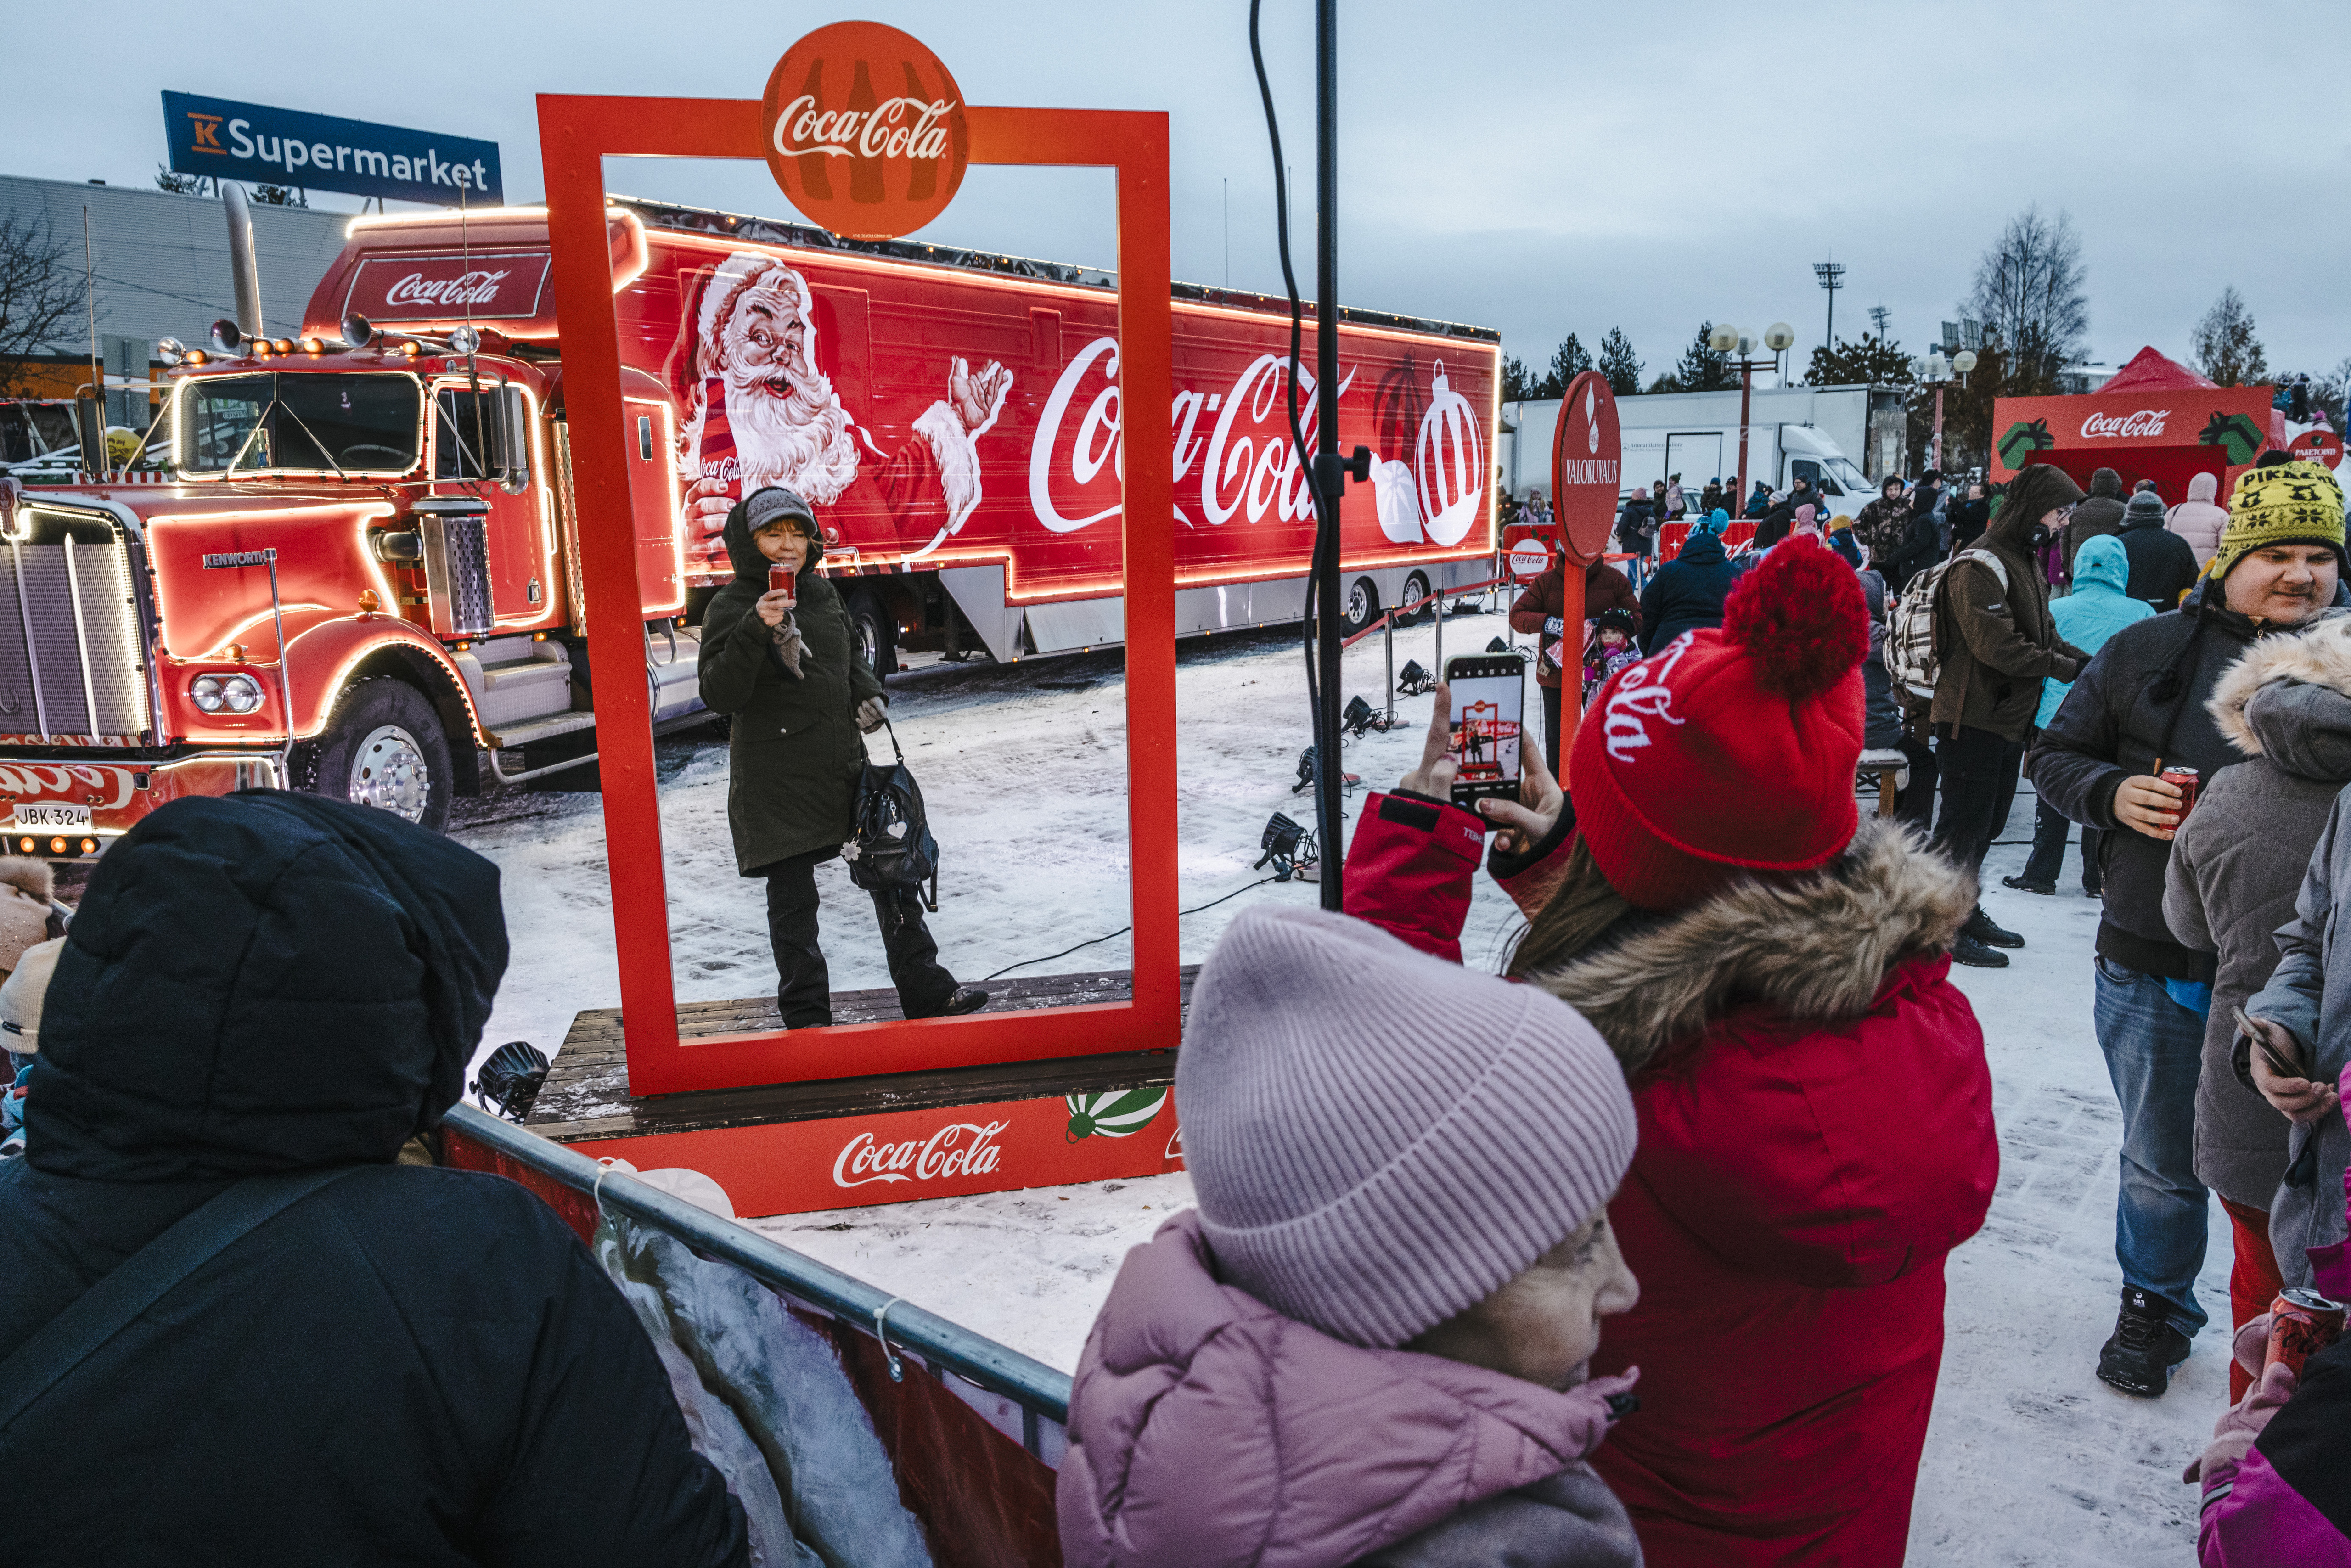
(1538, 168)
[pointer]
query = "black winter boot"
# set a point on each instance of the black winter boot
(1966, 949)
(2139, 1359)
(1979, 926)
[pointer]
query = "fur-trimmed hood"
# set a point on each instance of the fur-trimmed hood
(2319, 657)
(1818, 946)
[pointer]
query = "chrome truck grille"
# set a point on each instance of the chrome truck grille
(70, 660)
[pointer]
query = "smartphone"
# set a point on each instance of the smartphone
(2278, 1064)
(781, 578)
(1489, 707)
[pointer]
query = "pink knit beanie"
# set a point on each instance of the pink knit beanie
(1379, 1139)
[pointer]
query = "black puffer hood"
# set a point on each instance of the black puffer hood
(750, 566)
(2105, 482)
(2031, 494)
(267, 982)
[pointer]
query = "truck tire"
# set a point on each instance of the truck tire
(1361, 607)
(876, 630)
(383, 747)
(1416, 593)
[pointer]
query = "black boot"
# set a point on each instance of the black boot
(966, 1000)
(1975, 954)
(2139, 1359)
(2045, 889)
(1979, 926)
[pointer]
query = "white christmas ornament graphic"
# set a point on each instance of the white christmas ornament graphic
(1450, 461)
(1591, 420)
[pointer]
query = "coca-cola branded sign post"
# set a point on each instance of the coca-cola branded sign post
(865, 131)
(1586, 466)
(2319, 445)
(486, 286)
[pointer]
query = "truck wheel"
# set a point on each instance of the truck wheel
(1362, 606)
(876, 630)
(1416, 593)
(384, 747)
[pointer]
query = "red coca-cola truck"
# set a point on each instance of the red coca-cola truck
(364, 578)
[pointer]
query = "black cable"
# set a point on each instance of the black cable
(1297, 431)
(1122, 930)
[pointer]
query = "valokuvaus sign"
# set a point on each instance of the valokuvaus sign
(865, 129)
(220, 138)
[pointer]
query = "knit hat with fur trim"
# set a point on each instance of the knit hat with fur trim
(1731, 749)
(2280, 501)
(1379, 1139)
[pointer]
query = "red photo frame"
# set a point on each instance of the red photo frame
(576, 134)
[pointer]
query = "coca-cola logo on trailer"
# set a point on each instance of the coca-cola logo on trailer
(865, 131)
(1234, 460)
(2147, 421)
(505, 286)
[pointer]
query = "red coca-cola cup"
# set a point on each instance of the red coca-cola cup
(2184, 780)
(781, 578)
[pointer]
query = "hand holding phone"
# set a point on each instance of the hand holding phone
(1485, 717)
(2285, 1083)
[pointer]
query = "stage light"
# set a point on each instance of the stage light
(1361, 716)
(511, 1079)
(1306, 774)
(1498, 646)
(1289, 848)
(1413, 681)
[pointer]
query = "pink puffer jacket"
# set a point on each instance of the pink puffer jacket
(2197, 519)
(1207, 1429)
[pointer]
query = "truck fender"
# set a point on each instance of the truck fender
(328, 657)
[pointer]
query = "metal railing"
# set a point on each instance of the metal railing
(909, 1329)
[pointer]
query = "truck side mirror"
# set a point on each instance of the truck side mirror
(510, 446)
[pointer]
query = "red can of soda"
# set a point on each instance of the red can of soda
(2301, 1323)
(2184, 780)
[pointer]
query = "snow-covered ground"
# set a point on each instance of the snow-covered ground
(2030, 1460)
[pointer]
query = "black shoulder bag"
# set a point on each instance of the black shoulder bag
(890, 848)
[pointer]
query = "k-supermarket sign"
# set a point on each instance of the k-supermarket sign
(223, 140)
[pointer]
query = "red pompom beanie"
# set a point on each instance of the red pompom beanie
(1730, 749)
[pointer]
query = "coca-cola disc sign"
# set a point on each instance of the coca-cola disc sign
(865, 131)
(486, 285)
(1587, 459)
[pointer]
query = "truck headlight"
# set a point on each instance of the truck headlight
(231, 693)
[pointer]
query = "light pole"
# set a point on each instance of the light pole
(1832, 276)
(1938, 373)
(1726, 340)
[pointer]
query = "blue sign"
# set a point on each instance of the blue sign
(221, 140)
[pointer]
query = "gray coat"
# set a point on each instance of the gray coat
(2238, 864)
(2310, 993)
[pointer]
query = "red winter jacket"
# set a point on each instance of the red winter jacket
(1798, 1182)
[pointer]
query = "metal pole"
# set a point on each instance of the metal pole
(1935, 460)
(1746, 388)
(244, 276)
(1387, 635)
(1330, 829)
(1440, 632)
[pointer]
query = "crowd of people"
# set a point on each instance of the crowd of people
(1633, 1252)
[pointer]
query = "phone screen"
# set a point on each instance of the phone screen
(1489, 703)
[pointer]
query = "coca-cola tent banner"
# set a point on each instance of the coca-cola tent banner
(1587, 463)
(2154, 419)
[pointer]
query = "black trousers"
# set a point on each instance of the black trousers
(1914, 808)
(2050, 831)
(1551, 721)
(1978, 771)
(804, 986)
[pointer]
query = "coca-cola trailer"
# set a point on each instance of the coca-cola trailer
(366, 580)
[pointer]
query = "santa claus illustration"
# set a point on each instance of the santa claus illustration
(759, 411)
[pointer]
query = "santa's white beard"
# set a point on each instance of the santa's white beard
(801, 441)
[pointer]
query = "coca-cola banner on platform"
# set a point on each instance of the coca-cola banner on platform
(865, 131)
(486, 285)
(1586, 463)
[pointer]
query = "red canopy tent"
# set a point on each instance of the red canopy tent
(2156, 419)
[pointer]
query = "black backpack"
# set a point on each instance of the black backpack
(890, 846)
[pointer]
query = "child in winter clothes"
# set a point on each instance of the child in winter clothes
(1369, 1343)
(1815, 1109)
(1611, 649)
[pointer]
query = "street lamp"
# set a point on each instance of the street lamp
(1937, 372)
(1729, 339)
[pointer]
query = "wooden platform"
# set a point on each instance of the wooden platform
(586, 1093)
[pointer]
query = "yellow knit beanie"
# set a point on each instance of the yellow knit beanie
(2291, 503)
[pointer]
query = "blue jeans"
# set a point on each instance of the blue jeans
(2154, 1049)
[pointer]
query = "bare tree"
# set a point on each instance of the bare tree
(182, 184)
(2030, 295)
(2226, 347)
(39, 296)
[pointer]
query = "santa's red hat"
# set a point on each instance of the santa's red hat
(1731, 749)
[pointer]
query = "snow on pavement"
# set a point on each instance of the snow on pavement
(2028, 1460)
